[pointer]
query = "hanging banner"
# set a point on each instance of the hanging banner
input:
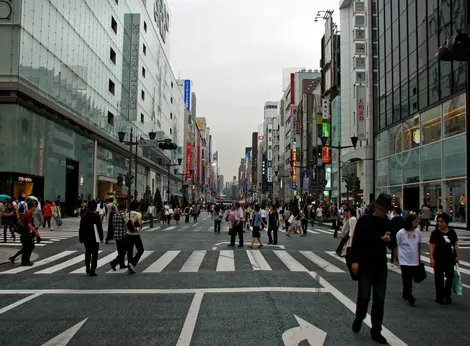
(292, 88)
(294, 162)
(361, 112)
(325, 155)
(189, 155)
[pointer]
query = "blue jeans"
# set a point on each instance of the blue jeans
(372, 278)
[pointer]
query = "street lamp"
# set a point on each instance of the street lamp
(129, 178)
(324, 142)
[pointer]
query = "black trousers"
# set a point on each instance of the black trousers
(407, 275)
(91, 256)
(441, 269)
(28, 246)
(134, 240)
(272, 240)
(121, 246)
(372, 278)
(342, 242)
(8, 224)
(151, 220)
(217, 226)
(237, 230)
(304, 224)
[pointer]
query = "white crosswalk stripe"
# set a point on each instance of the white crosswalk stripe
(47, 237)
(196, 261)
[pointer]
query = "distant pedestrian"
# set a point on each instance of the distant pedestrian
(90, 234)
(257, 224)
(369, 263)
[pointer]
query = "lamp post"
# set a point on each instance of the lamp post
(324, 142)
(164, 144)
(168, 166)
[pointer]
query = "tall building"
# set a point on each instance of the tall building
(75, 75)
(420, 147)
(358, 78)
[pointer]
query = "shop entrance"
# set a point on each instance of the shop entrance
(411, 198)
(71, 185)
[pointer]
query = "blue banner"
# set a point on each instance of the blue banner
(187, 94)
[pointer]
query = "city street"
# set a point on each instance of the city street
(192, 289)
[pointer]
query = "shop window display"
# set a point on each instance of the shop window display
(431, 125)
(454, 116)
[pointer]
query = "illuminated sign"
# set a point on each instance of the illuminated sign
(187, 94)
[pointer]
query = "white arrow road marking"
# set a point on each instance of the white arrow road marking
(305, 331)
(64, 338)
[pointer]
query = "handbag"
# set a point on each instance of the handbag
(420, 273)
(292, 217)
(59, 222)
(457, 280)
(349, 263)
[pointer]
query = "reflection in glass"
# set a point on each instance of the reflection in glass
(431, 161)
(431, 125)
(456, 201)
(433, 194)
(382, 172)
(454, 153)
(411, 166)
(454, 116)
(395, 170)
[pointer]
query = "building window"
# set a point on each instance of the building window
(117, 2)
(113, 24)
(110, 118)
(171, 100)
(171, 131)
(454, 116)
(112, 55)
(144, 48)
(142, 95)
(111, 87)
(172, 85)
(171, 115)
(142, 118)
(143, 72)
(145, 26)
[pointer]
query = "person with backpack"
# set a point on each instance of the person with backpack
(22, 206)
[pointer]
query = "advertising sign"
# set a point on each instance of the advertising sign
(134, 64)
(326, 129)
(292, 88)
(325, 155)
(187, 94)
(294, 162)
(189, 154)
(270, 153)
(325, 109)
(6, 9)
(361, 112)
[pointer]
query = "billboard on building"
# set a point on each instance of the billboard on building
(270, 153)
(189, 154)
(361, 112)
(187, 94)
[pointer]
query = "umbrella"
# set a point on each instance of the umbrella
(4, 197)
(32, 197)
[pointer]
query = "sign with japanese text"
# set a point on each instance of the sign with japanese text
(361, 113)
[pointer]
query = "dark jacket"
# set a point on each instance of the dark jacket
(396, 224)
(86, 232)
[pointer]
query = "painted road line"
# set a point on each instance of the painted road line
(197, 223)
(226, 261)
(289, 261)
(199, 229)
(18, 303)
(334, 255)
(257, 260)
(313, 232)
(120, 271)
(169, 228)
(392, 339)
(428, 260)
(325, 265)
(323, 231)
(190, 322)
(63, 265)
(193, 263)
(40, 263)
(162, 262)
(101, 262)
(19, 244)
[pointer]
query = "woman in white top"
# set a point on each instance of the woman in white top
(409, 249)
(347, 231)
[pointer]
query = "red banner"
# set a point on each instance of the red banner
(292, 88)
(294, 168)
(189, 155)
(325, 155)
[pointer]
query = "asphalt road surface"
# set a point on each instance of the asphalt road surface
(192, 289)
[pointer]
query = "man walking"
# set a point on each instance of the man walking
(237, 227)
(369, 261)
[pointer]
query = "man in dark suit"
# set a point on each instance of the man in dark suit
(91, 234)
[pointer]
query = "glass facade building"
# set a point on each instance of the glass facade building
(420, 145)
(80, 71)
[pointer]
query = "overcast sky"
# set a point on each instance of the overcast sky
(234, 52)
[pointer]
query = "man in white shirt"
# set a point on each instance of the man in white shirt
(237, 226)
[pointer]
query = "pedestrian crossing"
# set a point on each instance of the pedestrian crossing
(47, 237)
(204, 261)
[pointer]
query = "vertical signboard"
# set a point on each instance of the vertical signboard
(292, 88)
(198, 158)
(270, 152)
(325, 155)
(189, 154)
(294, 163)
(187, 94)
(134, 64)
(361, 112)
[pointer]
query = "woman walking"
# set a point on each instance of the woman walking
(444, 253)
(91, 235)
(133, 227)
(409, 249)
(55, 217)
(109, 234)
(257, 224)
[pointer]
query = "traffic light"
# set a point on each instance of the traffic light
(455, 48)
(129, 179)
(167, 146)
(120, 180)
